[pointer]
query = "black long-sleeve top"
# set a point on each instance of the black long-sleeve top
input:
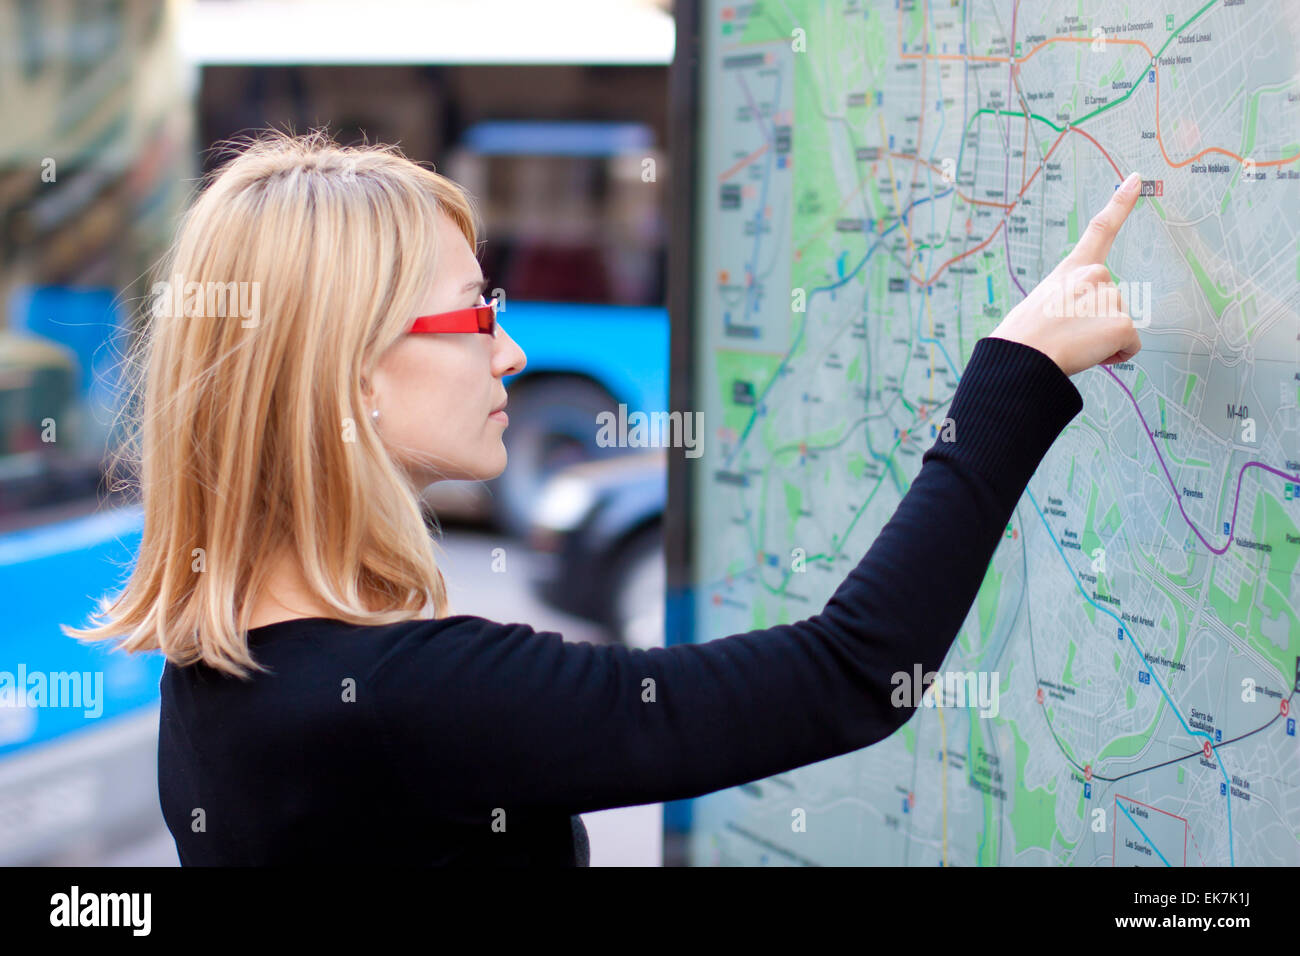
(462, 740)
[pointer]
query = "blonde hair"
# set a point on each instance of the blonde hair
(253, 439)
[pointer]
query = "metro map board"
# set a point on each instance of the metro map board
(876, 185)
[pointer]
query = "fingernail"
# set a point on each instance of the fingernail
(1132, 183)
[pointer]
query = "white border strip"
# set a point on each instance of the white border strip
(508, 32)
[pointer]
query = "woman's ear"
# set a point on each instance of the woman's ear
(372, 400)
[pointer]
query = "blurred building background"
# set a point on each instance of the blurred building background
(554, 114)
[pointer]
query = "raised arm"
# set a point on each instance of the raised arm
(491, 715)
(481, 715)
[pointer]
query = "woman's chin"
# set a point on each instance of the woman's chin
(488, 468)
(496, 469)
(484, 468)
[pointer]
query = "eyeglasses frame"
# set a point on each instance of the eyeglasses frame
(476, 318)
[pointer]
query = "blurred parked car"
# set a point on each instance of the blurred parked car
(598, 531)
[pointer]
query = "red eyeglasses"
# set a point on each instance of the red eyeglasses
(477, 318)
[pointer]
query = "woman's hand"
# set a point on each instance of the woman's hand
(1075, 315)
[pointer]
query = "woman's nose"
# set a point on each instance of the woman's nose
(510, 358)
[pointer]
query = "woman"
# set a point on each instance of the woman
(320, 702)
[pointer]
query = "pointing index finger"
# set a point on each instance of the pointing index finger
(1094, 245)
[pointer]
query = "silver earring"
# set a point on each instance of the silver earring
(375, 414)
